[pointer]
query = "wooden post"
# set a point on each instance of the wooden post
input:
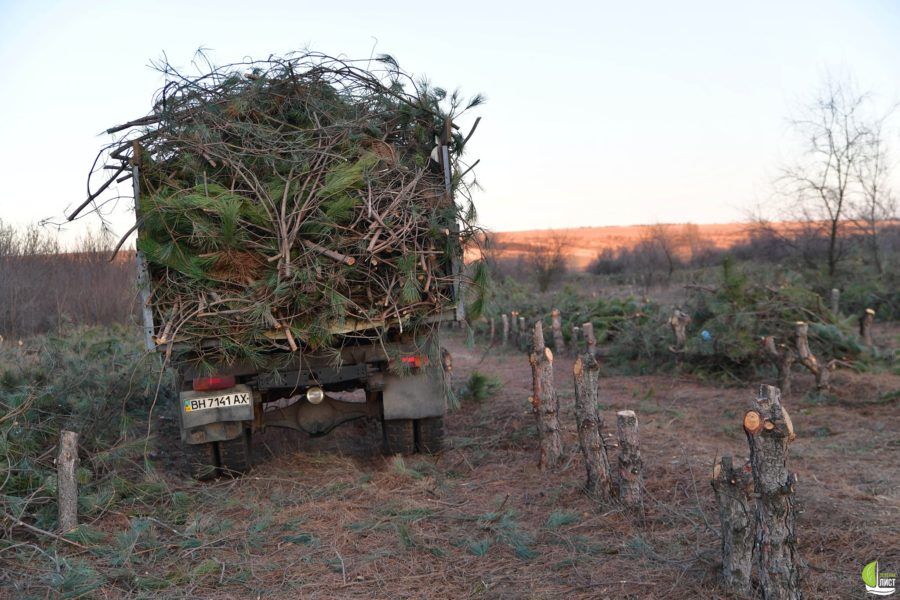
(575, 342)
(515, 328)
(835, 300)
(559, 345)
(679, 322)
(589, 339)
(769, 432)
(782, 357)
(523, 339)
(734, 490)
(865, 326)
(821, 372)
(630, 479)
(545, 402)
(67, 484)
(505, 324)
(590, 427)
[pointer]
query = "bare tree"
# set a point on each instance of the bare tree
(876, 203)
(837, 133)
(657, 252)
(701, 249)
(547, 259)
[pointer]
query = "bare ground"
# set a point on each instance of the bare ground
(333, 518)
(330, 518)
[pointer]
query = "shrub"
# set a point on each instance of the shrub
(479, 387)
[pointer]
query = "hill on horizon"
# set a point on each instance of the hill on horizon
(583, 244)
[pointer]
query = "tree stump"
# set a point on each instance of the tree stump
(679, 322)
(630, 479)
(590, 427)
(523, 339)
(865, 326)
(505, 328)
(491, 339)
(769, 432)
(67, 484)
(575, 342)
(545, 402)
(589, 339)
(821, 372)
(559, 345)
(783, 358)
(835, 301)
(734, 490)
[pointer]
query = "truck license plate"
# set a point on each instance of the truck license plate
(222, 401)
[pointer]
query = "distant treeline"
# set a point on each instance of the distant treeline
(668, 248)
(43, 287)
(867, 274)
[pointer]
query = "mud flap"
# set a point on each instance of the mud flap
(415, 396)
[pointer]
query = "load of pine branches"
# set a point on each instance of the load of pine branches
(295, 201)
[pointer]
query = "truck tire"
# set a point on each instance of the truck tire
(235, 455)
(399, 436)
(203, 460)
(430, 435)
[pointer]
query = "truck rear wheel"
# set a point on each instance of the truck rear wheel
(399, 436)
(235, 454)
(203, 460)
(430, 435)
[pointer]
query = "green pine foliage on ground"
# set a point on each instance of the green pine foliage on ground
(95, 381)
(730, 312)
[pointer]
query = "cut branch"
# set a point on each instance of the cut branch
(821, 372)
(679, 322)
(96, 194)
(783, 358)
(347, 260)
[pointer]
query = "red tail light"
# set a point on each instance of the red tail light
(216, 382)
(415, 361)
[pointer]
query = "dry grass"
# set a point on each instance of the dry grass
(43, 287)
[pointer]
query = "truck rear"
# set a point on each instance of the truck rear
(299, 246)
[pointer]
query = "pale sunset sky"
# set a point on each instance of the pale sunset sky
(598, 113)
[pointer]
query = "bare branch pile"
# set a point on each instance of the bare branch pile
(287, 201)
